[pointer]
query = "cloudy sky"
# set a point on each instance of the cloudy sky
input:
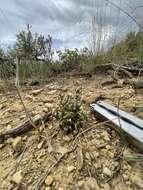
(71, 23)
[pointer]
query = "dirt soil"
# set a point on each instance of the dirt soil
(93, 159)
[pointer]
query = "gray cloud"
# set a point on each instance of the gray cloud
(68, 21)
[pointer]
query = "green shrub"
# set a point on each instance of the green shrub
(70, 114)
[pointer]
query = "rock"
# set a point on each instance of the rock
(111, 154)
(22, 117)
(17, 144)
(29, 97)
(62, 150)
(120, 186)
(36, 92)
(45, 110)
(65, 89)
(140, 114)
(48, 188)
(2, 106)
(39, 146)
(89, 98)
(107, 171)
(50, 148)
(16, 108)
(125, 177)
(49, 105)
(17, 177)
(49, 180)
(66, 139)
(80, 183)
(106, 186)
(41, 154)
(24, 138)
(50, 127)
(70, 168)
(1, 146)
(91, 184)
(52, 92)
(88, 157)
(105, 136)
(8, 127)
(108, 147)
(136, 179)
(40, 104)
(120, 81)
(60, 188)
(95, 154)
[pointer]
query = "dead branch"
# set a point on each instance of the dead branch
(127, 70)
(25, 127)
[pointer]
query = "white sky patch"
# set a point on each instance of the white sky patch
(68, 21)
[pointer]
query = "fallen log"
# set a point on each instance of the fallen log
(126, 70)
(27, 126)
(136, 84)
(127, 124)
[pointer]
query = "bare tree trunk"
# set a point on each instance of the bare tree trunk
(17, 72)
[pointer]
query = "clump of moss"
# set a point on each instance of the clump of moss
(70, 114)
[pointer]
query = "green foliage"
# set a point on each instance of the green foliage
(33, 46)
(68, 58)
(7, 68)
(70, 114)
(130, 47)
(2, 55)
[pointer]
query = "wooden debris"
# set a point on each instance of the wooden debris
(127, 70)
(25, 127)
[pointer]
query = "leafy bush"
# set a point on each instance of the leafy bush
(129, 48)
(68, 59)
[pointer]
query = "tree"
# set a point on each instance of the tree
(33, 46)
(1, 54)
(43, 47)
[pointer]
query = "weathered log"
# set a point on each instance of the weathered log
(27, 126)
(138, 84)
(103, 68)
(125, 73)
(127, 70)
(133, 70)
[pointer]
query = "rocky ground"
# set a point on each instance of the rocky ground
(95, 158)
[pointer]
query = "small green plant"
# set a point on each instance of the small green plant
(70, 114)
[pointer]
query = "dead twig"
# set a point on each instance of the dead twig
(27, 113)
(49, 170)
(97, 125)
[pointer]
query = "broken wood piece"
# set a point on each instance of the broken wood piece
(25, 127)
(108, 83)
(125, 69)
(125, 72)
(121, 121)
